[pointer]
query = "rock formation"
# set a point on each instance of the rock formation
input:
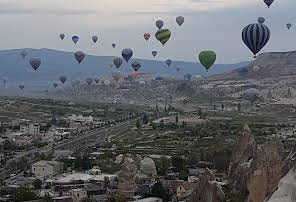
(255, 170)
(119, 159)
(207, 189)
(148, 167)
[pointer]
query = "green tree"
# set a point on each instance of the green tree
(24, 194)
(138, 124)
(159, 191)
(163, 165)
(177, 118)
(37, 184)
(145, 119)
(162, 123)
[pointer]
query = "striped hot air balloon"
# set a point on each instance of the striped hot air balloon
(163, 35)
(256, 36)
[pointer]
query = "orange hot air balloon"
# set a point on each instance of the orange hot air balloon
(135, 75)
(146, 36)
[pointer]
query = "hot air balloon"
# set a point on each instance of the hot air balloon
(55, 85)
(146, 36)
(134, 75)
(4, 81)
(97, 80)
(62, 36)
(268, 2)
(289, 25)
(178, 69)
(207, 59)
(95, 39)
(261, 20)
(23, 53)
(79, 56)
(125, 78)
(75, 39)
(255, 36)
(21, 87)
(154, 53)
(117, 62)
(168, 62)
(102, 80)
(136, 65)
(159, 78)
(35, 62)
(126, 54)
(163, 35)
(116, 76)
(111, 64)
(180, 20)
(251, 94)
(89, 81)
(159, 24)
(63, 79)
(113, 45)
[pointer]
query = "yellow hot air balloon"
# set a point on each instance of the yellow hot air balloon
(111, 64)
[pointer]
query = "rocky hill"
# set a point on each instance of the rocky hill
(267, 65)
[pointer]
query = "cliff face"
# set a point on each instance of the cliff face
(255, 170)
(267, 65)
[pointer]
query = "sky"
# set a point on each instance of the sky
(209, 25)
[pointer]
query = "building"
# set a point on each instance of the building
(78, 195)
(19, 139)
(81, 119)
(30, 129)
(47, 168)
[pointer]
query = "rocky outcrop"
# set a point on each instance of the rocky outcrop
(286, 191)
(148, 167)
(255, 170)
(126, 179)
(119, 159)
(207, 189)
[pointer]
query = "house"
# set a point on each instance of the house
(184, 189)
(30, 129)
(47, 168)
(19, 139)
(81, 119)
(78, 195)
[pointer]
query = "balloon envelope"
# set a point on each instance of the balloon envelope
(261, 20)
(113, 45)
(89, 81)
(63, 79)
(21, 87)
(79, 56)
(134, 75)
(127, 54)
(23, 53)
(75, 39)
(117, 62)
(116, 76)
(159, 24)
(163, 35)
(268, 2)
(95, 39)
(168, 62)
(154, 53)
(146, 36)
(55, 85)
(289, 25)
(35, 62)
(207, 58)
(180, 20)
(62, 36)
(256, 36)
(136, 65)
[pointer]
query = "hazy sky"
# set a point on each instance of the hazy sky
(209, 24)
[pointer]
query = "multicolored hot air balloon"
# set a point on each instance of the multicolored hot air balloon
(159, 24)
(62, 36)
(256, 36)
(55, 85)
(268, 2)
(117, 62)
(127, 53)
(95, 39)
(113, 45)
(97, 80)
(134, 75)
(207, 59)
(136, 65)
(168, 62)
(116, 76)
(180, 20)
(35, 62)
(79, 56)
(289, 25)
(63, 79)
(75, 39)
(89, 81)
(146, 36)
(23, 53)
(261, 20)
(154, 53)
(163, 35)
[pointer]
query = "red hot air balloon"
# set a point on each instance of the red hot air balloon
(146, 36)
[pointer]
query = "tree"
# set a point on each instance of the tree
(222, 106)
(138, 124)
(162, 123)
(159, 191)
(145, 119)
(24, 194)
(37, 184)
(177, 118)
(46, 198)
(199, 112)
(163, 165)
(239, 107)
(178, 163)
(183, 124)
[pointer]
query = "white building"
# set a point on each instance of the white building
(47, 168)
(30, 129)
(81, 118)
